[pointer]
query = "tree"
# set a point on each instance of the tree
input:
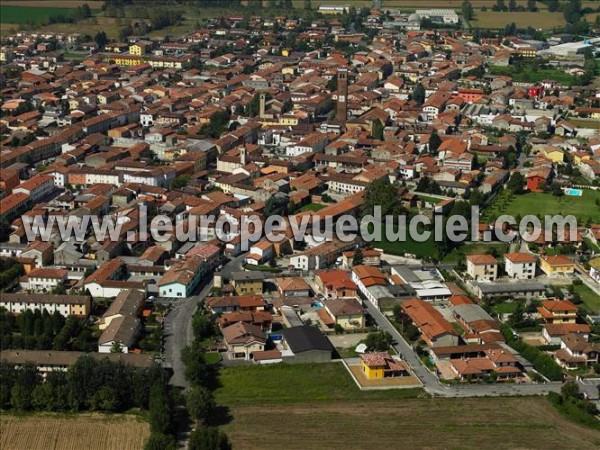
(101, 40)
(158, 441)
(418, 94)
(160, 410)
(569, 390)
(572, 11)
(357, 258)
(378, 129)
(200, 403)
(434, 142)
(553, 5)
(467, 10)
(531, 5)
(381, 193)
(512, 5)
(499, 6)
(378, 341)
(208, 438)
(116, 347)
(516, 182)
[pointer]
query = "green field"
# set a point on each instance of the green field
(472, 249)
(533, 76)
(24, 14)
(295, 383)
(312, 207)
(584, 208)
(590, 299)
(420, 249)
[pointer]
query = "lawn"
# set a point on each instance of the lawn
(497, 19)
(295, 383)
(584, 208)
(472, 249)
(212, 357)
(474, 423)
(506, 307)
(420, 249)
(589, 297)
(533, 75)
(312, 207)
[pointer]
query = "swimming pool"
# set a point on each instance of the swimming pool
(574, 192)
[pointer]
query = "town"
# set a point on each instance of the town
(338, 113)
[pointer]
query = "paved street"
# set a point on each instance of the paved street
(178, 323)
(431, 383)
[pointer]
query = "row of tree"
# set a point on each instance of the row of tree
(88, 385)
(41, 330)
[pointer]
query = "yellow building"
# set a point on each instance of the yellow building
(557, 265)
(380, 365)
(554, 155)
(127, 60)
(247, 283)
(137, 49)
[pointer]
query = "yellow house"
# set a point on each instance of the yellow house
(554, 155)
(557, 265)
(247, 283)
(579, 157)
(346, 313)
(285, 52)
(380, 365)
(137, 49)
(288, 70)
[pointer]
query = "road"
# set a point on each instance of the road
(432, 385)
(178, 323)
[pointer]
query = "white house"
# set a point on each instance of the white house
(520, 266)
(182, 278)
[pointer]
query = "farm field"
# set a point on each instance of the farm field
(93, 4)
(72, 432)
(584, 208)
(409, 423)
(289, 384)
(21, 14)
(496, 19)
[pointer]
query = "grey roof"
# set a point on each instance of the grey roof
(472, 313)
(522, 286)
(248, 275)
(123, 329)
(305, 338)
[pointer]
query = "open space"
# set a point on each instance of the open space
(407, 246)
(295, 383)
(72, 432)
(22, 14)
(589, 297)
(496, 19)
(533, 76)
(409, 423)
(473, 249)
(584, 207)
